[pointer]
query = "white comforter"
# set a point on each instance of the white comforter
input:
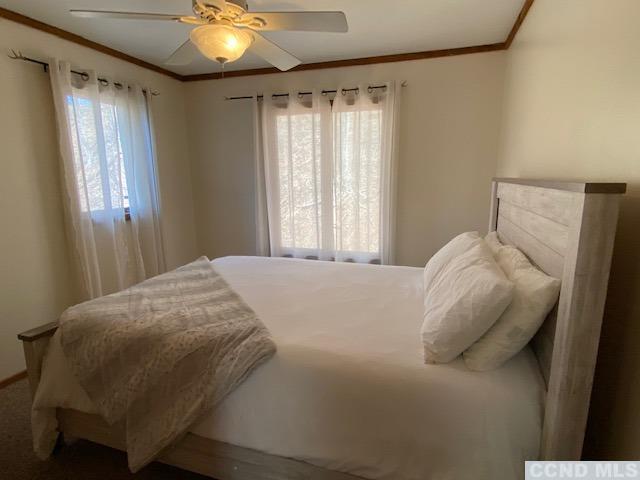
(348, 389)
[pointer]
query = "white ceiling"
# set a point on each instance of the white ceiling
(376, 27)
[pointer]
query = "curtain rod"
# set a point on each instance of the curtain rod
(84, 75)
(323, 92)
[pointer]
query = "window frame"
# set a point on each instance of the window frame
(127, 209)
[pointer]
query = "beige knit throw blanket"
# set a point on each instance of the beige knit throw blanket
(162, 353)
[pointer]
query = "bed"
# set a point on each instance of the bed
(348, 395)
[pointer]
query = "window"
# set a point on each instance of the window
(328, 176)
(101, 179)
(300, 180)
(358, 149)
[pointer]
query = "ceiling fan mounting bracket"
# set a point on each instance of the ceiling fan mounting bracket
(232, 15)
(239, 3)
(235, 14)
(206, 12)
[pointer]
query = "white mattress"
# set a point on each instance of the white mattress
(348, 389)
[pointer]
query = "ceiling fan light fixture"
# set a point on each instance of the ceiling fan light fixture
(221, 43)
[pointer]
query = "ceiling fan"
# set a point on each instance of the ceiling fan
(226, 29)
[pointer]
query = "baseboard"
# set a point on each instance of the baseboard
(13, 378)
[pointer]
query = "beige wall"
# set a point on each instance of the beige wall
(572, 110)
(35, 279)
(450, 115)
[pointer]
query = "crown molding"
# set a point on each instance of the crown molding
(518, 23)
(85, 42)
(400, 57)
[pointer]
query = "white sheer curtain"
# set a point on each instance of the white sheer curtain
(108, 167)
(297, 169)
(364, 122)
(325, 174)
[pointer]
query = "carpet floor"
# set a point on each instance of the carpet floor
(80, 461)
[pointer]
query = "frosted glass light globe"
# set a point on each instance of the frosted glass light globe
(221, 43)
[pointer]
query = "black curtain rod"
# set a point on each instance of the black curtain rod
(323, 92)
(84, 75)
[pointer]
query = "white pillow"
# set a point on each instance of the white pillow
(534, 296)
(455, 247)
(463, 300)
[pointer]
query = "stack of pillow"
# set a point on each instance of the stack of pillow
(483, 300)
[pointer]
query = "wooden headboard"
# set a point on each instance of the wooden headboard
(567, 229)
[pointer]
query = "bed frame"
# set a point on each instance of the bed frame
(566, 228)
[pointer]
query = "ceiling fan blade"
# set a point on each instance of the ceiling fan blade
(184, 54)
(127, 15)
(301, 21)
(272, 53)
